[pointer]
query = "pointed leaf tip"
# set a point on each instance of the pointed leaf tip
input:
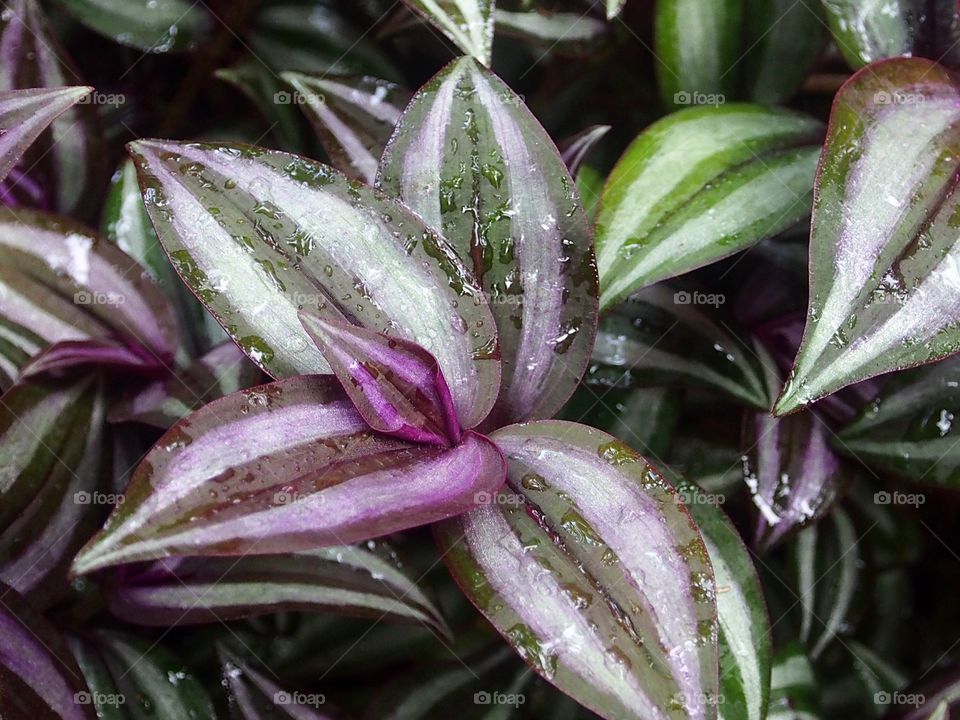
(396, 385)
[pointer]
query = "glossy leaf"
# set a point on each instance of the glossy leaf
(60, 282)
(67, 162)
(345, 580)
(866, 32)
(125, 223)
(557, 31)
(395, 385)
(127, 673)
(828, 573)
(468, 23)
(744, 625)
(697, 47)
(353, 117)
(153, 26)
(25, 114)
(662, 336)
(699, 185)
(575, 150)
(38, 677)
(259, 235)
(52, 443)
(594, 572)
(471, 160)
(782, 42)
(222, 371)
(909, 427)
(281, 468)
(793, 687)
(883, 247)
(791, 472)
(254, 696)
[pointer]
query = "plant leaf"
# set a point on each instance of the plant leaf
(614, 7)
(125, 671)
(38, 677)
(60, 282)
(471, 160)
(281, 468)
(66, 163)
(791, 472)
(222, 371)
(574, 150)
(557, 31)
(345, 580)
(153, 26)
(793, 687)
(661, 336)
(254, 696)
(744, 624)
(52, 441)
(697, 45)
(25, 114)
(260, 234)
(353, 117)
(699, 185)
(908, 428)
(468, 23)
(883, 245)
(563, 566)
(395, 385)
(125, 223)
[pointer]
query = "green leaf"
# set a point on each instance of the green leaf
(353, 117)
(125, 223)
(614, 7)
(909, 427)
(744, 624)
(260, 234)
(607, 594)
(699, 185)
(153, 26)
(883, 248)
(697, 45)
(555, 31)
(132, 675)
(661, 335)
(255, 696)
(471, 160)
(468, 23)
(793, 687)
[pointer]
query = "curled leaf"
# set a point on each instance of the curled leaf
(281, 468)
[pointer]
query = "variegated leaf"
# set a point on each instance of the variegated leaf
(471, 160)
(699, 185)
(884, 251)
(255, 696)
(468, 23)
(353, 117)
(153, 26)
(555, 31)
(281, 468)
(614, 7)
(793, 687)
(593, 570)
(347, 580)
(259, 235)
